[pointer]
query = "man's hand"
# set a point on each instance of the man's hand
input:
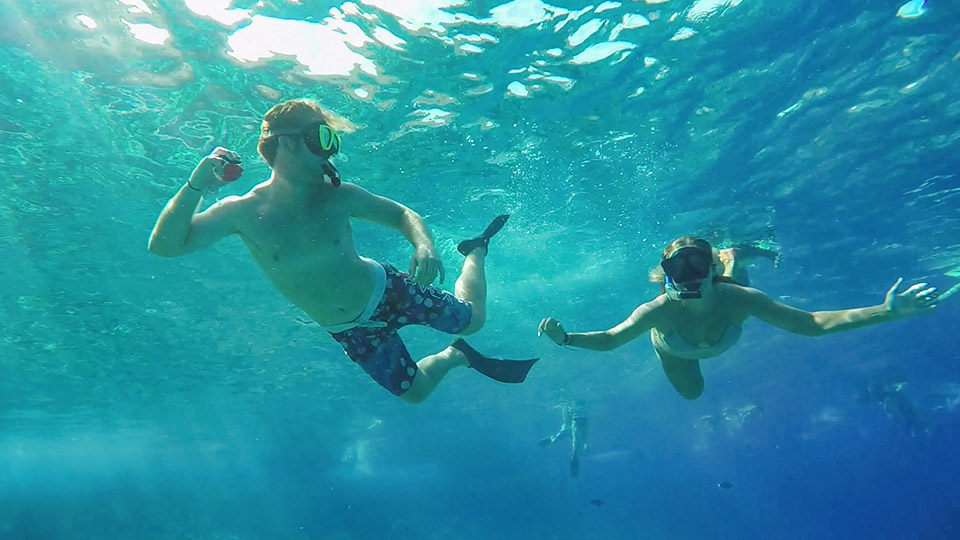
(553, 329)
(917, 300)
(209, 172)
(425, 265)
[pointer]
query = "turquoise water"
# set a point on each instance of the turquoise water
(184, 398)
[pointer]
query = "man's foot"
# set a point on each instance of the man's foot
(508, 371)
(467, 246)
(745, 253)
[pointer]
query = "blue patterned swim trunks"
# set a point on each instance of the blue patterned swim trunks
(374, 343)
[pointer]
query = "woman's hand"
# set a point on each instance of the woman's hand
(553, 329)
(919, 299)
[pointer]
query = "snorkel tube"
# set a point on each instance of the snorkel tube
(683, 291)
(331, 172)
(685, 271)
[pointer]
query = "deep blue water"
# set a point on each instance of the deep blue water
(152, 398)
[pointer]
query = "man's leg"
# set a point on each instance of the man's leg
(471, 287)
(736, 259)
(430, 371)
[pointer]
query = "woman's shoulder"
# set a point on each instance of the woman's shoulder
(736, 290)
(659, 304)
(741, 298)
(660, 311)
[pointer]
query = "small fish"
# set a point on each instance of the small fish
(596, 502)
(724, 485)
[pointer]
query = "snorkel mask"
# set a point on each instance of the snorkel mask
(685, 271)
(324, 142)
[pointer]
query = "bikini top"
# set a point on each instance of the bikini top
(676, 345)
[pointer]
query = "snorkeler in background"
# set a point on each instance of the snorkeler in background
(297, 227)
(896, 405)
(704, 301)
(575, 424)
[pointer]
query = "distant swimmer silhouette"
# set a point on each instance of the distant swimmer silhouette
(575, 424)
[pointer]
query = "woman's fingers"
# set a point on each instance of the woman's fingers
(914, 289)
(545, 326)
(930, 293)
(896, 286)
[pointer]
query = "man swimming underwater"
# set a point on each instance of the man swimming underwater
(296, 225)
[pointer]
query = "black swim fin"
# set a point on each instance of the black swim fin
(508, 371)
(467, 246)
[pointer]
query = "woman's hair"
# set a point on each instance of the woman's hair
(686, 241)
(656, 273)
(291, 116)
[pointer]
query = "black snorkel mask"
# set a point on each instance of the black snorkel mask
(685, 272)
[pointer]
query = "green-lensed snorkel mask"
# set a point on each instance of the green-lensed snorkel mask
(324, 142)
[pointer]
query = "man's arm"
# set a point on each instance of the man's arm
(179, 229)
(383, 211)
(916, 300)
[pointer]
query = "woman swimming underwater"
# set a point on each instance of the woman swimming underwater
(705, 300)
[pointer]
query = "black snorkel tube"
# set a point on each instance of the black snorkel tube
(687, 294)
(685, 272)
(685, 291)
(331, 172)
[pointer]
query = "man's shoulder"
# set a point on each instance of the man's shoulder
(234, 202)
(238, 205)
(350, 189)
(358, 198)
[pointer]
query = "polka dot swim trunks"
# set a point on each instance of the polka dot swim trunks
(378, 348)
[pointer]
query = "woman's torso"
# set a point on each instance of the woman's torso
(684, 333)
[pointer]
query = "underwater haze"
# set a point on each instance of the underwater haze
(152, 398)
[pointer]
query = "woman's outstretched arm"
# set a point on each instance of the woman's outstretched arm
(918, 299)
(640, 321)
